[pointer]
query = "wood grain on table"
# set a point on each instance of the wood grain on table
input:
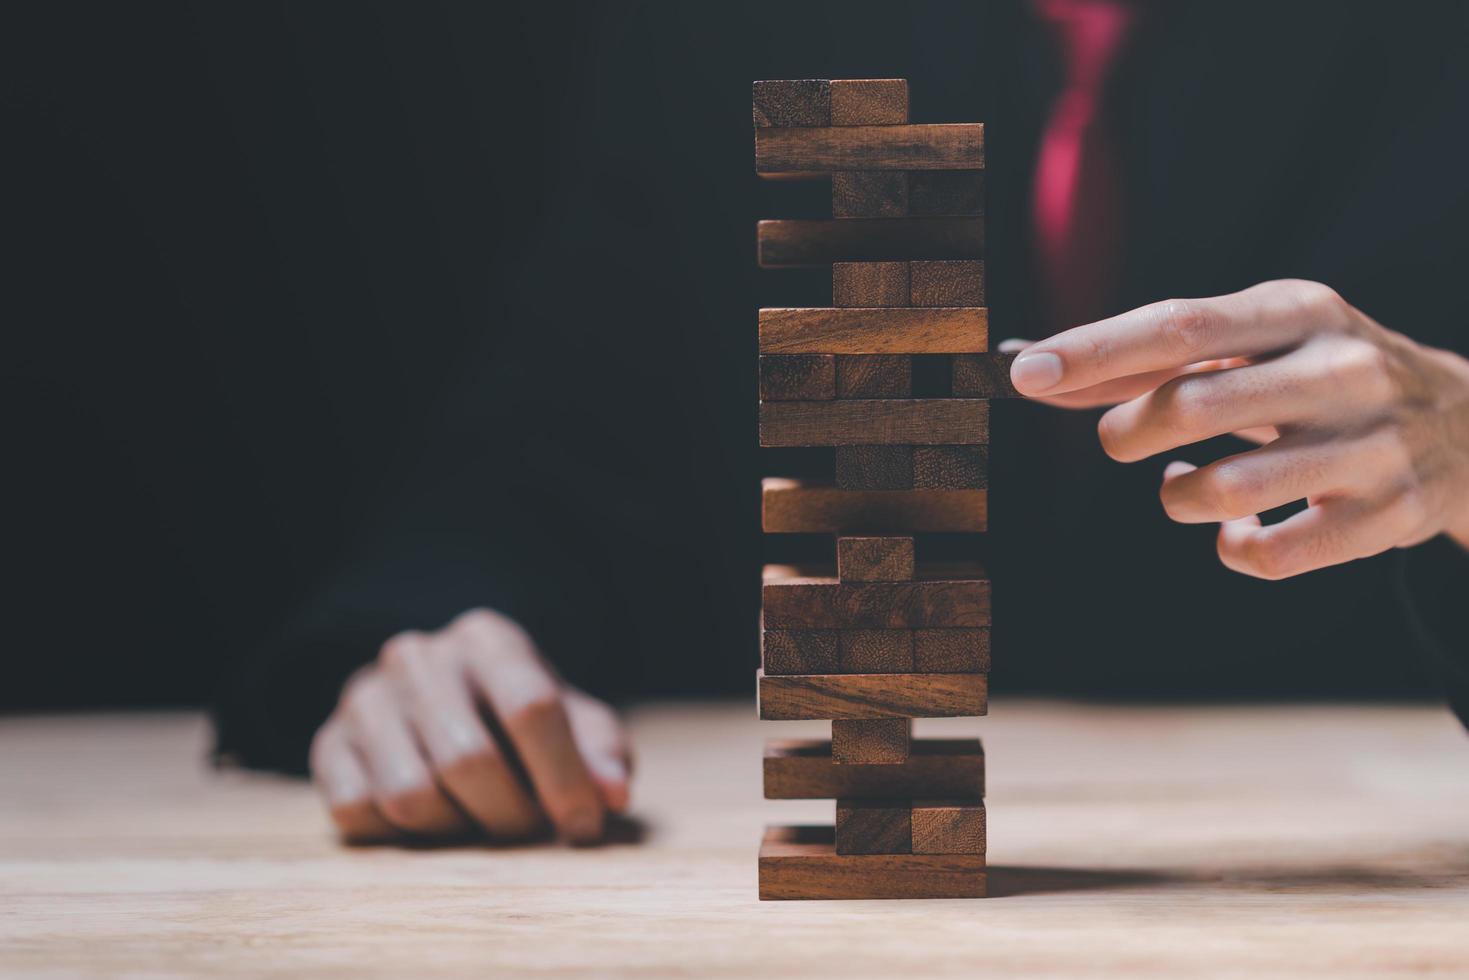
(1123, 842)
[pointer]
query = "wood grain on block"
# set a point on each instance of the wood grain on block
(870, 284)
(950, 467)
(874, 376)
(873, 330)
(784, 242)
(869, 101)
(952, 651)
(869, 194)
(802, 769)
(983, 376)
(946, 192)
(875, 422)
(946, 283)
(804, 507)
(945, 827)
(874, 467)
(875, 652)
(795, 697)
(797, 377)
(947, 596)
(871, 742)
(872, 827)
(802, 863)
(792, 102)
(800, 651)
(875, 559)
(826, 149)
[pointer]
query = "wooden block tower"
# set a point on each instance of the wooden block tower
(888, 637)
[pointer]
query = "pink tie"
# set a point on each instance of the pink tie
(1077, 211)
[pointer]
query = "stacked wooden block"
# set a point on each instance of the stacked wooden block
(887, 638)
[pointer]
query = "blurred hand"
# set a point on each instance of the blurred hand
(1367, 426)
(467, 730)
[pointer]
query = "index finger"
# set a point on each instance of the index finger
(1167, 336)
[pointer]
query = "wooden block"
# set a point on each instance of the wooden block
(867, 827)
(875, 422)
(946, 192)
(950, 467)
(869, 194)
(869, 101)
(800, 651)
(874, 376)
(873, 330)
(792, 102)
(797, 377)
(952, 651)
(874, 467)
(947, 283)
(785, 242)
(939, 597)
(983, 376)
(803, 769)
(871, 742)
(942, 827)
(795, 697)
(802, 863)
(875, 652)
(827, 149)
(874, 559)
(803, 507)
(870, 284)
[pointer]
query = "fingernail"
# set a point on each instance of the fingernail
(1177, 468)
(1035, 373)
(1013, 344)
(583, 826)
(608, 768)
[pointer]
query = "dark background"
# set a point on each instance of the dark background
(256, 249)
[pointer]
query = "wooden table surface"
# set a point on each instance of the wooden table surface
(1330, 841)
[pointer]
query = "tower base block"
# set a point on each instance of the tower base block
(801, 862)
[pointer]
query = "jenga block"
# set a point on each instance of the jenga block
(875, 422)
(797, 377)
(802, 863)
(941, 827)
(873, 330)
(956, 596)
(946, 192)
(800, 651)
(875, 652)
(950, 467)
(793, 102)
(785, 242)
(803, 769)
(871, 741)
(824, 150)
(874, 376)
(869, 101)
(794, 697)
(941, 283)
(874, 559)
(800, 507)
(952, 651)
(870, 284)
(869, 194)
(874, 467)
(869, 827)
(984, 376)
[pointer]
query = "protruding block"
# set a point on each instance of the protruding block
(806, 507)
(869, 101)
(792, 102)
(941, 284)
(875, 559)
(869, 284)
(874, 467)
(946, 192)
(871, 827)
(800, 651)
(797, 377)
(952, 651)
(802, 863)
(940, 597)
(943, 827)
(984, 376)
(876, 422)
(871, 742)
(873, 330)
(950, 467)
(802, 769)
(875, 652)
(821, 241)
(828, 149)
(839, 696)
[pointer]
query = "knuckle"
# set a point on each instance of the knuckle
(1410, 512)
(1186, 325)
(1316, 298)
(415, 807)
(1188, 406)
(1363, 369)
(1268, 556)
(1232, 489)
(401, 651)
